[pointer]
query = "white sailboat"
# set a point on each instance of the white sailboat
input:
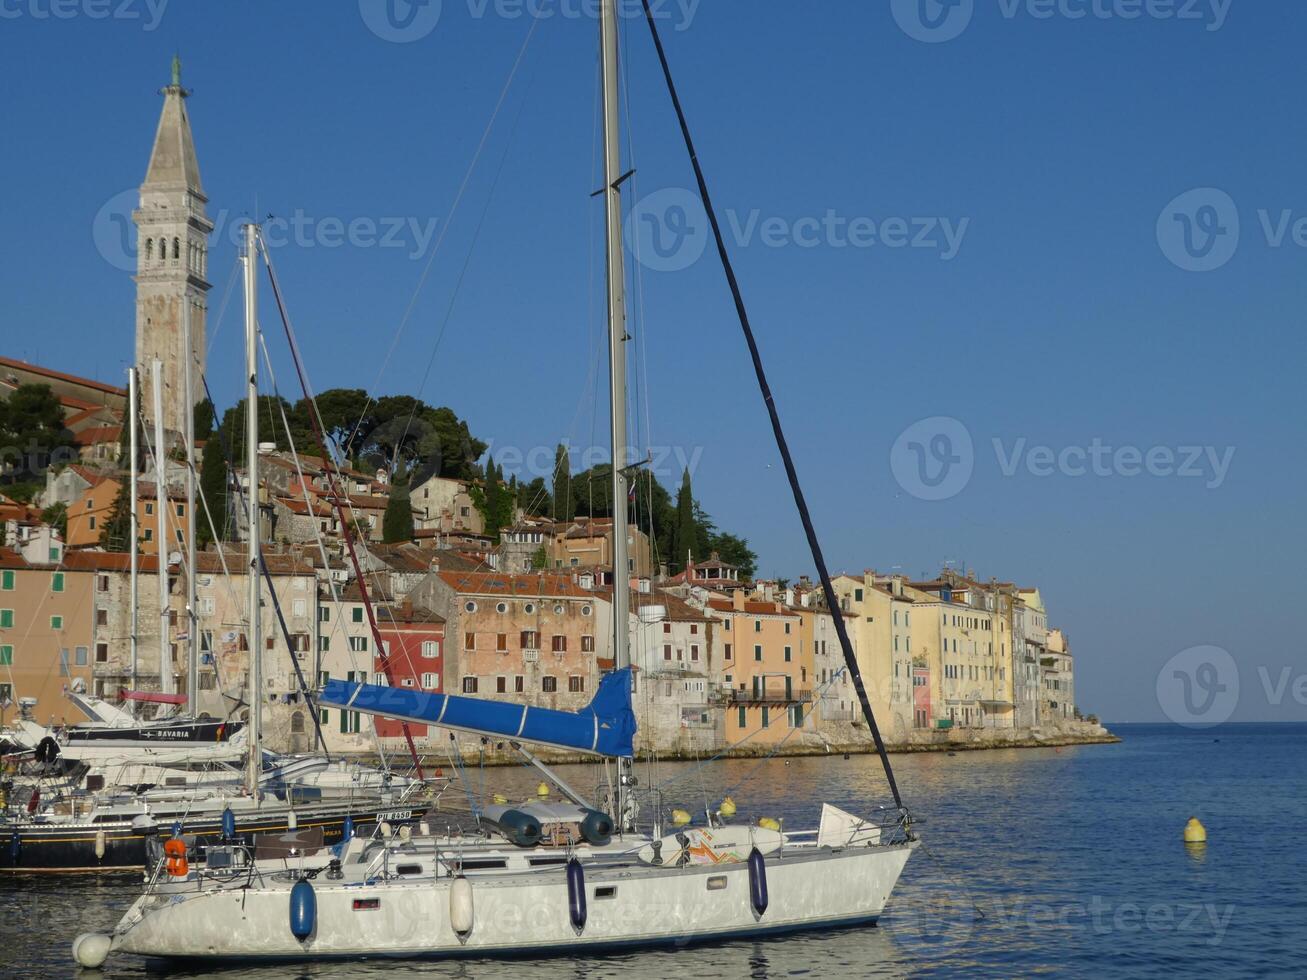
(536, 879)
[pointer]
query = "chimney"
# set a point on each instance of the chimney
(737, 600)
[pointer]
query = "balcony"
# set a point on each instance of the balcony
(765, 697)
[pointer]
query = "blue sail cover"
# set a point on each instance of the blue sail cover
(606, 727)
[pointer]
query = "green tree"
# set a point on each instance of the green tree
(735, 551)
(214, 490)
(346, 415)
(564, 505)
(397, 524)
(116, 532)
(202, 420)
(232, 430)
(56, 516)
(495, 501)
(534, 497)
(32, 432)
(685, 537)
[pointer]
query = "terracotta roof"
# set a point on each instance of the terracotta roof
(751, 608)
(406, 614)
(60, 376)
(297, 505)
(97, 435)
(494, 583)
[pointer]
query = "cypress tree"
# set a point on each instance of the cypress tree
(397, 524)
(214, 489)
(685, 532)
(563, 503)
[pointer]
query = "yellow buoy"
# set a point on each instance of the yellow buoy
(728, 807)
(767, 823)
(1195, 832)
(542, 790)
(680, 818)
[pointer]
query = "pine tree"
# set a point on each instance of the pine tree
(685, 532)
(563, 503)
(397, 524)
(214, 490)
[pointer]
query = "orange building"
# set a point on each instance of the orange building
(88, 514)
(765, 683)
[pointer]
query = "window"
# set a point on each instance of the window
(796, 716)
(787, 629)
(576, 685)
(205, 605)
(102, 653)
(789, 654)
(7, 580)
(501, 607)
(57, 582)
(356, 614)
(529, 608)
(857, 595)
(743, 719)
(469, 685)
(149, 510)
(149, 534)
(65, 669)
(80, 655)
(469, 641)
(667, 627)
(91, 522)
(694, 652)
(667, 651)
(299, 608)
(324, 614)
(324, 644)
(6, 619)
(430, 649)
(6, 656)
(530, 640)
(757, 625)
(757, 652)
(728, 651)
(501, 685)
(431, 681)
(560, 644)
(586, 610)
(549, 684)
(358, 644)
(501, 642)
(587, 644)
(519, 684)
(766, 716)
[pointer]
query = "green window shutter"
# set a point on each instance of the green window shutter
(57, 582)
(7, 581)
(6, 656)
(6, 619)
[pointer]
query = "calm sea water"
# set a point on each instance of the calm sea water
(1036, 863)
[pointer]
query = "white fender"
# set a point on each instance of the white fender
(460, 907)
(101, 842)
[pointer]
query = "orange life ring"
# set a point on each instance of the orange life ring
(175, 852)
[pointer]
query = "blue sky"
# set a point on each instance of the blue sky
(1032, 159)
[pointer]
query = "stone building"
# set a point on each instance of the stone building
(172, 258)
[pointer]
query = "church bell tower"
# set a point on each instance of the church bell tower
(172, 258)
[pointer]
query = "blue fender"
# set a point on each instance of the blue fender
(757, 882)
(303, 910)
(576, 908)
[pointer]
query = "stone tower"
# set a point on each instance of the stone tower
(172, 258)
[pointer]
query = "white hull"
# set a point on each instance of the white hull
(522, 914)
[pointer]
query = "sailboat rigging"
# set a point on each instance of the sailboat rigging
(471, 891)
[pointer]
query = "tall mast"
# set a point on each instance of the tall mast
(255, 636)
(188, 425)
(616, 329)
(133, 420)
(166, 679)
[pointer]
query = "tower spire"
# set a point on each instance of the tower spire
(173, 231)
